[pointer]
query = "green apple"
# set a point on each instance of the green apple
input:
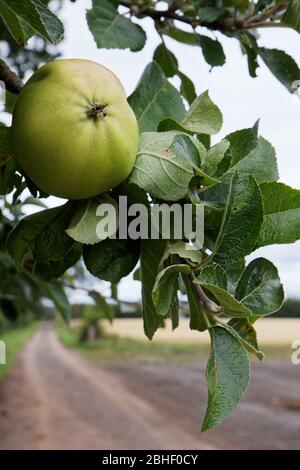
(74, 133)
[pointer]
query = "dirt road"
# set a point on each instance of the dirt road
(55, 399)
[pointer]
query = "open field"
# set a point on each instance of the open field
(270, 331)
(125, 341)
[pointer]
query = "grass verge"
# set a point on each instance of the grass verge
(14, 340)
(112, 349)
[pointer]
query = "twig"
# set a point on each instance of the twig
(12, 82)
(157, 14)
(241, 22)
(205, 301)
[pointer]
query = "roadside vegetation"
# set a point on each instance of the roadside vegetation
(117, 350)
(14, 340)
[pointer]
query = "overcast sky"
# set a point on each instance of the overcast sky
(242, 100)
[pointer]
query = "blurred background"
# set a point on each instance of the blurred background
(112, 388)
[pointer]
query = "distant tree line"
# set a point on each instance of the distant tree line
(290, 309)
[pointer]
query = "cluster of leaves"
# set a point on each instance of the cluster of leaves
(25, 18)
(16, 29)
(28, 273)
(111, 23)
(20, 292)
(236, 180)
(185, 20)
(245, 208)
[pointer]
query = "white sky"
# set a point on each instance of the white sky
(242, 100)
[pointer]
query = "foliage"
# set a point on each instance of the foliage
(28, 57)
(14, 340)
(113, 25)
(290, 309)
(92, 316)
(235, 180)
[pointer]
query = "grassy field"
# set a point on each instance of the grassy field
(124, 342)
(270, 331)
(14, 340)
(113, 349)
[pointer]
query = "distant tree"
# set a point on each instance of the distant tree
(290, 309)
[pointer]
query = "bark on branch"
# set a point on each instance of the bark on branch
(12, 82)
(237, 23)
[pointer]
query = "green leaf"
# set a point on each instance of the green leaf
(259, 287)
(181, 36)
(281, 223)
(252, 61)
(227, 376)
(214, 156)
(166, 286)
(51, 243)
(6, 152)
(19, 30)
(172, 125)
(197, 315)
(292, 15)
(246, 334)
(203, 117)
(43, 234)
(56, 293)
(84, 226)
(212, 51)
(137, 275)
(166, 60)
(234, 272)
(8, 176)
(110, 259)
(184, 251)
(151, 254)
(189, 147)
(213, 274)
(174, 314)
(34, 14)
(187, 88)
(230, 306)
(260, 162)
(242, 220)
(282, 66)
(10, 101)
(111, 30)
(240, 4)
(214, 198)
(155, 99)
(205, 140)
(249, 46)
(161, 168)
(55, 269)
(209, 14)
(241, 144)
